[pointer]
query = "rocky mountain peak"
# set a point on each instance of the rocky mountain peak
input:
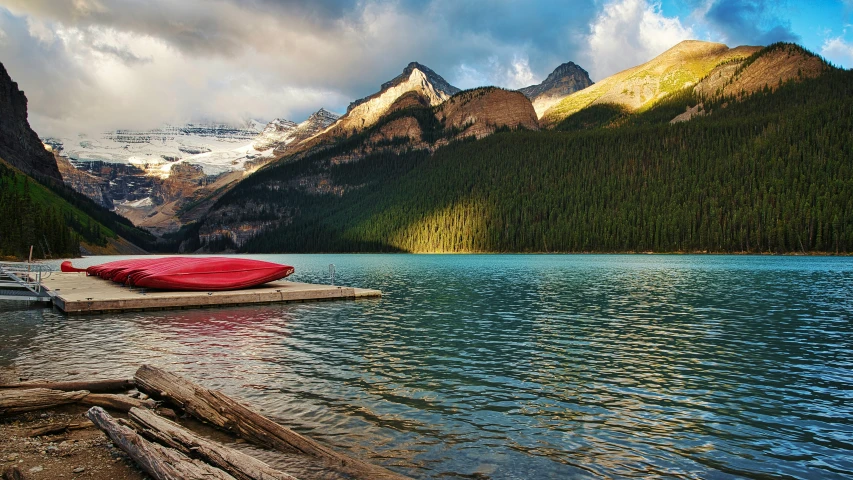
(279, 125)
(323, 116)
(442, 89)
(281, 133)
(566, 79)
(439, 83)
(19, 144)
(565, 70)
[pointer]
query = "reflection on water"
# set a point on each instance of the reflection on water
(505, 366)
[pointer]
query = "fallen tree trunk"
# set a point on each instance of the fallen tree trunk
(93, 386)
(122, 403)
(224, 412)
(57, 428)
(160, 462)
(19, 401)
(238, 464)
(48, 430)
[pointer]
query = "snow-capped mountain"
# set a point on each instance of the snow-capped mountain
(216, 147)
(150, 175)
(280, 133)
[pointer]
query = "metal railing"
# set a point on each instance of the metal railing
(22, 281)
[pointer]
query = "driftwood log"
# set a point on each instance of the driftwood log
(58, 428)
(170, 434)
(14, 401)
(93, 386)
(18, 401)
(122, 403)
(160, 462)
(224, 412)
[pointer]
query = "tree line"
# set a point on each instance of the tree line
(27, 222)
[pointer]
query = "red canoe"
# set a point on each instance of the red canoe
(188, 273)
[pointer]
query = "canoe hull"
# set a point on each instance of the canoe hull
(232, 279)
(190, 273)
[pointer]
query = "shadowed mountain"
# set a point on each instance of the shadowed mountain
(411, 125)
(19, 144)
(566, 79)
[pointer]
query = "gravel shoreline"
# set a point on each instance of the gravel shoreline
(85, 453)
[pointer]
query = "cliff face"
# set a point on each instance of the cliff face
(481, 111)
(769, 67)
(565, 80)
(316, 123)
(276, 132)
(93, 186)
(19, 144)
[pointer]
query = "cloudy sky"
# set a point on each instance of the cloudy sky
(94, 65)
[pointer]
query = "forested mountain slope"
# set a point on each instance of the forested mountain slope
(32, 216)
(57, 221)
(770, 171)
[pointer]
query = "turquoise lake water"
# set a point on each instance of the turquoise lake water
(517, 366)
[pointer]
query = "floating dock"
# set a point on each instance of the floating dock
(78, 294)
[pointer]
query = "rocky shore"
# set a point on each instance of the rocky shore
(84, 453)
(157, 424)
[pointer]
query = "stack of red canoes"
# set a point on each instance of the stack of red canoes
(188, 273)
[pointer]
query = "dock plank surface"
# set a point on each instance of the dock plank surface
(76, 293)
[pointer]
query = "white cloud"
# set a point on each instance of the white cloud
(630, 32)
(89, 65)
(520, 75)
(40, 31)
(94, 78)
(467, 76)
(837, 51)
(509, 70)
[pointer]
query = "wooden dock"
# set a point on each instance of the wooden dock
(76, 294)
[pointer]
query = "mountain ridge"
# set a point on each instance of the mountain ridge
(683, 65)
(367, 111)
(371, 191)
(413, 115)
(279, 133)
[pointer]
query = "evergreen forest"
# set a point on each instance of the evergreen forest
(54, 219)
(769, 173)
(29, 221)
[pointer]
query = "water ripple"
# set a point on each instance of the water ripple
(508, 366)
